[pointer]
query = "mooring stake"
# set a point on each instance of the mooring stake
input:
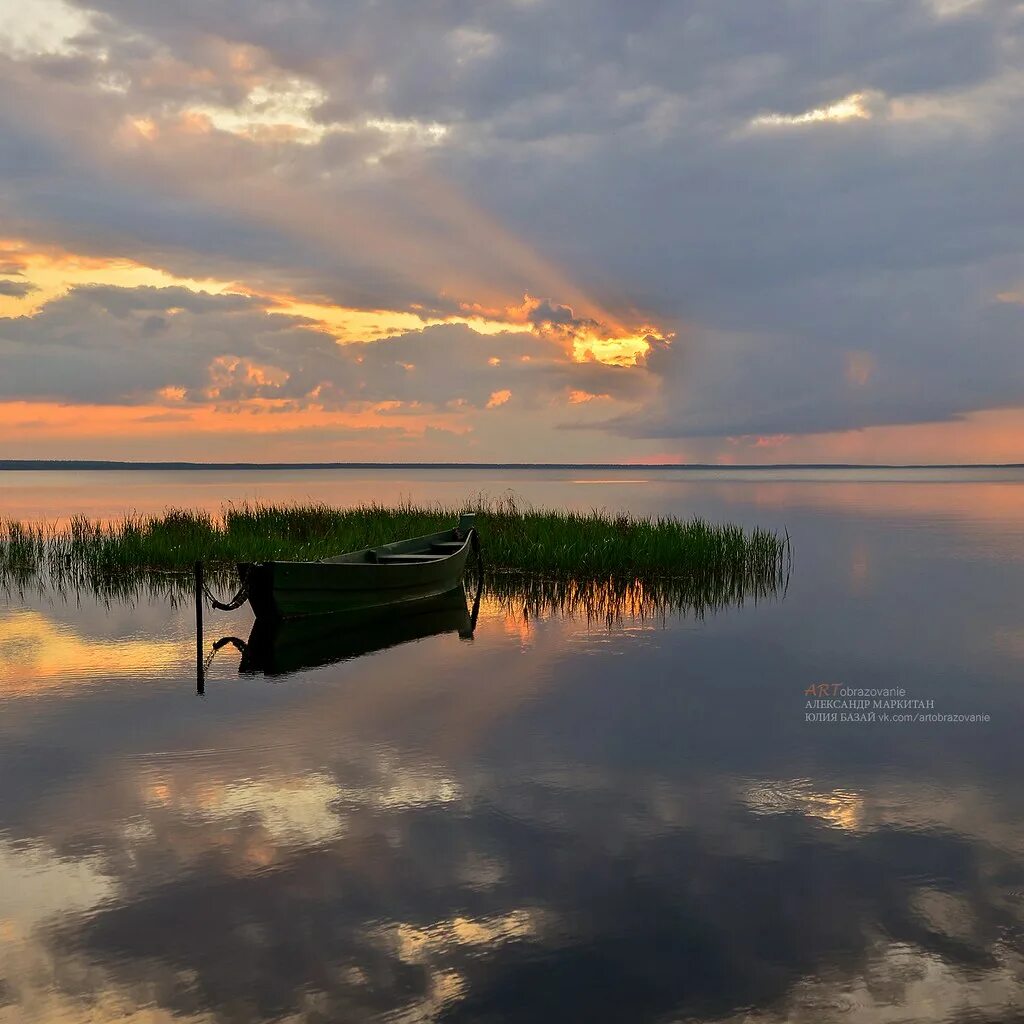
(200, 668)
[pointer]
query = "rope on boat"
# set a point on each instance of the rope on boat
(236, 602)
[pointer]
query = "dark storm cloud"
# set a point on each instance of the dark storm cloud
(827, 275)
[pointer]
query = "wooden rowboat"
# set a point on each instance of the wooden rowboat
(390, 574)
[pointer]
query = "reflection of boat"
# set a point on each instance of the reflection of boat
(278, 646)
(406, 570)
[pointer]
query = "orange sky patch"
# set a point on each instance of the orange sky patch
(21, 421)
(52, 272)
(990, 435)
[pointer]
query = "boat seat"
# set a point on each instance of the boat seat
(409, 558)
(446, 545)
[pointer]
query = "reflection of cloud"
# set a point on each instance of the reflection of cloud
(419, 944)
(38, 654)
(900, 984)
(395, 838)
(370, 897)
(291, 810)
(36, 884)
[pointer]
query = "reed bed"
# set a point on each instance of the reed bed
(575, 550)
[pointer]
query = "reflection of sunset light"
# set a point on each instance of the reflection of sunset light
(839, 808)
(418, 945)
(37, 654)
(158, 793)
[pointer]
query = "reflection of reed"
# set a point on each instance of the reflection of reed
(69, 583)
(614, 600)
(610, 600)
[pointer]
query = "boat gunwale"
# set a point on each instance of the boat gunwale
(348, 559)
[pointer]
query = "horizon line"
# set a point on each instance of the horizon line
(111, 464)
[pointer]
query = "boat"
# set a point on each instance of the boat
(389, 574)
(277, 647)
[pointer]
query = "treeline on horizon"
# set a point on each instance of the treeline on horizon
(102, 464)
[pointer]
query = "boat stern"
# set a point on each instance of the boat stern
(258, 578)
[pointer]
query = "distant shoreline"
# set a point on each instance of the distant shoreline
(99, 465)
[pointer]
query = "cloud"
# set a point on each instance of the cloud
(783, 188)
(106, 344)
(16, 289)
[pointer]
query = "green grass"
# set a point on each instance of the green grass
(576, 550)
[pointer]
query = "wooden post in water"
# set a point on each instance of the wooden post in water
(200, 681)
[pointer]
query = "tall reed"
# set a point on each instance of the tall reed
(566, 545)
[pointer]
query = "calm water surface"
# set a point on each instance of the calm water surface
(551, 821)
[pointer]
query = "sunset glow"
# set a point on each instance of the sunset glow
(193, 220)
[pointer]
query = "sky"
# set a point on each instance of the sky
(727, 231)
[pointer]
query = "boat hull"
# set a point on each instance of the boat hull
(293, 589)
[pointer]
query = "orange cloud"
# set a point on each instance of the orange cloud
(584, 338)
(229, 371)
(52, 271)
(417, 232)
(581, 397)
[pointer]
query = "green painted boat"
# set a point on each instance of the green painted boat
(281, 646)
(390, 574)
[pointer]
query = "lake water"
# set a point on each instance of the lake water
(555, 820)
